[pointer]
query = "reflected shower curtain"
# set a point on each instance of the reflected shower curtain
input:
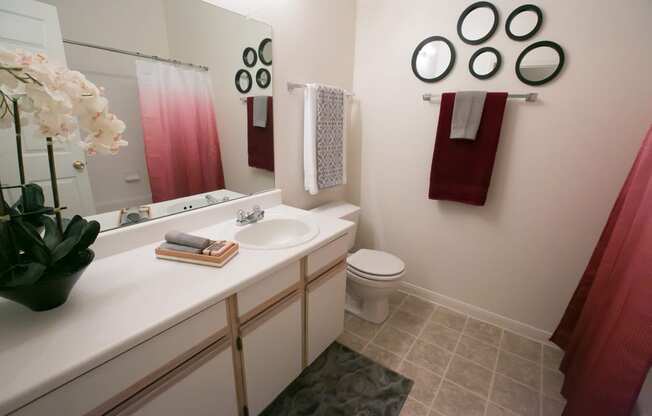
(182, 146)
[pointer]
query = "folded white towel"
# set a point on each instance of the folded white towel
(260, 111)
(467, 114)
(310, 139)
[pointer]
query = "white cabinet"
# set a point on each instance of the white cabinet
(203, 386)
(325, 297)
(272, 350)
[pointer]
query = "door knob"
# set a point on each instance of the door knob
(79, 165)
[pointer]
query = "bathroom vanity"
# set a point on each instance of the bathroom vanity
(144, 336)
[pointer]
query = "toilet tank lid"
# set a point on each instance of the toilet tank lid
(336, 209)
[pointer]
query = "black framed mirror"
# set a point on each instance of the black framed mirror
(243, 81)
(524, 22)
(263, 78)
(433, 59)
(485, 63)
(540, 63)
(249, 57)
(477, 23)
(265, 51)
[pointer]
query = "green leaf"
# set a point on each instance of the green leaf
(8, 251)
(75, 226)
(28, 239)
(88, 235)
(22, 274)
(66, 247)
(32, 198)
(52, 236)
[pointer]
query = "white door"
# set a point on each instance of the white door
(34, 26)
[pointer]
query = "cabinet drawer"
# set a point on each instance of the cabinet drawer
(325, 257)
(263, 294)
(111, 383)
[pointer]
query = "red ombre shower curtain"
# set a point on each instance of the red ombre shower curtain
(607, 328)
(182, 147)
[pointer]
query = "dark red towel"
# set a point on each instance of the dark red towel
(260, 140)
(461, 169)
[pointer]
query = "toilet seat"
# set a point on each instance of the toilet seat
(375, 265)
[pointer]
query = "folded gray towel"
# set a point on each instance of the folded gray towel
(189, 240)
(467, 114)
(183, 249)
(260, 111)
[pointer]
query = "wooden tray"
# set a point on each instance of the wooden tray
(204, 260)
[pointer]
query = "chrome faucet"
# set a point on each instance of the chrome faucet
(253, 216)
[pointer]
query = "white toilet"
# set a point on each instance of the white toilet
(372, 276)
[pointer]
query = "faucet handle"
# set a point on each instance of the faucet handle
(257, 209)
(242, 215)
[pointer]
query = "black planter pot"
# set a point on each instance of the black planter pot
(50, 292)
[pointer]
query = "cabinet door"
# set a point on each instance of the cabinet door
(203, 386)
(325, 310)
(272, 352)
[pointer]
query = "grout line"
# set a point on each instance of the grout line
(457, 344)
(493, 374)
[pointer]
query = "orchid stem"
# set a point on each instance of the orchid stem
(53, 181)
(19, 142)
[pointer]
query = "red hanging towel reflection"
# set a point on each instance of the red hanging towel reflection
(607, 328)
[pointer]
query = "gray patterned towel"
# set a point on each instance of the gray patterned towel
(330, 137)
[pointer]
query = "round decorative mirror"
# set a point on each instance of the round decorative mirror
(243, 81)
(540, 63)
(249, 57)
(477, 23)
(524, 22)
(433, 59)
(265, 51)
(485, 62)
(263, 78)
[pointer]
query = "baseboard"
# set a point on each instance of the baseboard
(477, 312)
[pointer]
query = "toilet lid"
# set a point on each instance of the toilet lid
(376, 263)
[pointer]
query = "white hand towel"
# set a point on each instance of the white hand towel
(310, 139)
(467, 114)
(260, 111)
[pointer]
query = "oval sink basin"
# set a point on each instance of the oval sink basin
(275, 233)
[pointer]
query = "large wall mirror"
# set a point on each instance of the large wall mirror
(187, 126)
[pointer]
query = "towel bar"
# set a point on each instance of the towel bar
(529, 97)
(293, 85)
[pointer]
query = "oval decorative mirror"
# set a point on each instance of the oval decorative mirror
(540, 63)
(263, 78)
(243, 81)
(433, 59)
(265, 51)
(485, 63)
(524, 22)
(477, 23)
(249, 57)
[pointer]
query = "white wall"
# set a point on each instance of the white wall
(313, 42)
(216, 38)
(560, 163)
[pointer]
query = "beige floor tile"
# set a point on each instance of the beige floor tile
(426, 382)
(469, 375)
(449, 318)
(514, 396)
(477, 351)
(552, 357)
(435, 413)
(396, 298)
(495, 410)
(551, 407)
(417, 306)
(522, 346)
(552, 383)
(520, 369)
(360, 327)
(394, 340)
(483, 331)
(382, 357)
(407, 322)
(429, 356)
(454, 401)
(413, 408)
(440, 335)
(352, 341)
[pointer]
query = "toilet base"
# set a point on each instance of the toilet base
(375, 311)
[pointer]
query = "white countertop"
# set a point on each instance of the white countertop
(123, 300)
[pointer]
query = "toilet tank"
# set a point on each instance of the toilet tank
(343, 211)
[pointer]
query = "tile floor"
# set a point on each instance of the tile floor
(460, 366)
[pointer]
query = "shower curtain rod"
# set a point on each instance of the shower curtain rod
(136, 54)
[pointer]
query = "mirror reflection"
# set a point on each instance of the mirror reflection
(433, 59)
(540, 63)
(249, 57)
(265, 51)
(524, 22)
(485, 63)
(186, 126)
(477, 23)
